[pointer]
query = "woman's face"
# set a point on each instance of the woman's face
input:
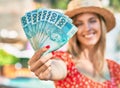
(89, 29)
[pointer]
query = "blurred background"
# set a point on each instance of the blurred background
(15, 49)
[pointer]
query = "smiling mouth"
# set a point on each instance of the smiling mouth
(89, 35)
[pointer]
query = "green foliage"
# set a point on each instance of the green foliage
(115, 4)
(6, 58)
(56, 4)
(24, 62)
(59, 4)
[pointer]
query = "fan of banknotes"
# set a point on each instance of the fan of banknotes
(45, 26)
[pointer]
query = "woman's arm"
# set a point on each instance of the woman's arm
(46, 68)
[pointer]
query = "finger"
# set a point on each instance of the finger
(38, 54)
(46, 75)
(40, 62)
(43, 68)
(45, 58)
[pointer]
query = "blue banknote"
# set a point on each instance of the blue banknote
(28, 31)
(45, 26)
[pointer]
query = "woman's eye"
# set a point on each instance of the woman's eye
(79, 24)
(93, 21)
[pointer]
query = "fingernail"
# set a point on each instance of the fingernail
(48, 46)
(53, 52)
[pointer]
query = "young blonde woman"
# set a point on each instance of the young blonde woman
(83, 65)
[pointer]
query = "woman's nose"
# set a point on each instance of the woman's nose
(87, 27)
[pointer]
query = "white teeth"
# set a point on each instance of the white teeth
(89, 35)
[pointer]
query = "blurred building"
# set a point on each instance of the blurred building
(10, 25)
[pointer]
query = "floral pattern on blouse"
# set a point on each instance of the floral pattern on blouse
(75, 79)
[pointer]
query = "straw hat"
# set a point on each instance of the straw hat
(80, 6)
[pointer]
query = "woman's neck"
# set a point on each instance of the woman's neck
(87, 53)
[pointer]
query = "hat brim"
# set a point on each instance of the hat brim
(107, 15)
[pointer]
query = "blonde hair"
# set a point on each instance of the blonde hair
(74, 48)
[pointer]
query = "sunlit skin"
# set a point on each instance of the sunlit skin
(89, 30)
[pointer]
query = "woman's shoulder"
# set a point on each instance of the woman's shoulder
(113, 62)
(114, 68)
(114, 65)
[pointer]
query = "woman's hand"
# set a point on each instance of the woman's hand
(46, 68)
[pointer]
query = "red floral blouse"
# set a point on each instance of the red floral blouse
(75, 79)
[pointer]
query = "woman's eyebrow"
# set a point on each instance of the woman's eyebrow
(94, 17)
